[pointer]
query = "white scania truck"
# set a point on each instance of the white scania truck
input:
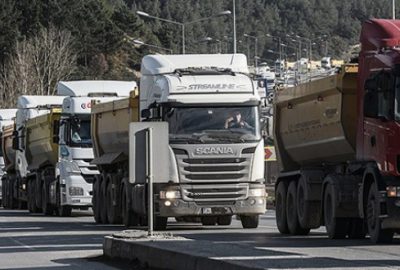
(216, 153)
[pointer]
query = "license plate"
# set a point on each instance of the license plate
(215, 211)
(219, 210)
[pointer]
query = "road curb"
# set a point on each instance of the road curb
(164, 255)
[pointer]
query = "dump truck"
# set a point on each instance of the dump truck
(337, 144)
(6, 118)
(27, 107)
(216, 152)
(59, 148)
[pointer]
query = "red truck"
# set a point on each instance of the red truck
(338, 144)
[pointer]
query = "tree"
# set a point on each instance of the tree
(37, 65)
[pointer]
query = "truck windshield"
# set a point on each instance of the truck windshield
(80, 133)
(213, 124)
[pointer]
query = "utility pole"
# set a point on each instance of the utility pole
(234, 26)
(394, 9)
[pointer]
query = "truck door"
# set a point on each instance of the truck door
(378, 116)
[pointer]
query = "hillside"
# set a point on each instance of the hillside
(98, 29)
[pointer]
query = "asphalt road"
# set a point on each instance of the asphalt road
(38, 242)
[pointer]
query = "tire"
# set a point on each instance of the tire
(62, 210)
(224, 220)
(356, 228)
(129, 218)
(113, 211)
(103, 200)
(336, 228)
(31, 199)
(37, 192)
(96, 200)
(249, 222)
(374, 223)
(280, 199)
(291, 211)
(308, 212)
(47, 208)
(208, 221)
(160, 223)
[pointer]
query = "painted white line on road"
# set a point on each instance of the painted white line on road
(266, 257)
(20, 228)
(22, 246)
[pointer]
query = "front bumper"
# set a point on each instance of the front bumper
(76, 182)
(179, 208)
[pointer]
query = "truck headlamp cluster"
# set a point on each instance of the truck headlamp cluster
(257, 192)
(75, 191)
(393, 191)
(170, 194)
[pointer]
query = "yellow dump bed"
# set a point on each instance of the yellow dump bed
(110, 128)
(316, 122)
(40, 147)
(8, 151)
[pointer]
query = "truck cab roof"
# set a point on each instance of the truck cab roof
(95, 88)
(34, 102)
(164, 64)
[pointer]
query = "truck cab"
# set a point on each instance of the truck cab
(74, 171)
(216, 148)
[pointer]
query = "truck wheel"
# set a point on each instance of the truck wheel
(5, 193)
(31, 198)
(224, 220)
(280, 198)
(308, 212)
(208, 221)
(374, 223)
(65, 211)
(336, 228)
(160, 223)
(291, 211)
(47, 208)
(103, 200)
(356, 228)
(62, 210)
(129, 218)
(112, 210)
(96, 200)
(249, 222)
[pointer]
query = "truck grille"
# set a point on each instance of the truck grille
(215, 193)
(217, 170)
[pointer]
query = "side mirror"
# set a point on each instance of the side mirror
(56, 131)
(371, 104)
(15, 141)
(145, 113)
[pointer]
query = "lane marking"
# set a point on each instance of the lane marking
(240, 258)
(22, 246)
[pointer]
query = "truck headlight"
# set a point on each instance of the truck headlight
(257, 192)
(75, 191)
(170, 194)
(393, 191)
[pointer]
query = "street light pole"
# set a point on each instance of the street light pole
(394, 9)
(234, 26)
(255, 47)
